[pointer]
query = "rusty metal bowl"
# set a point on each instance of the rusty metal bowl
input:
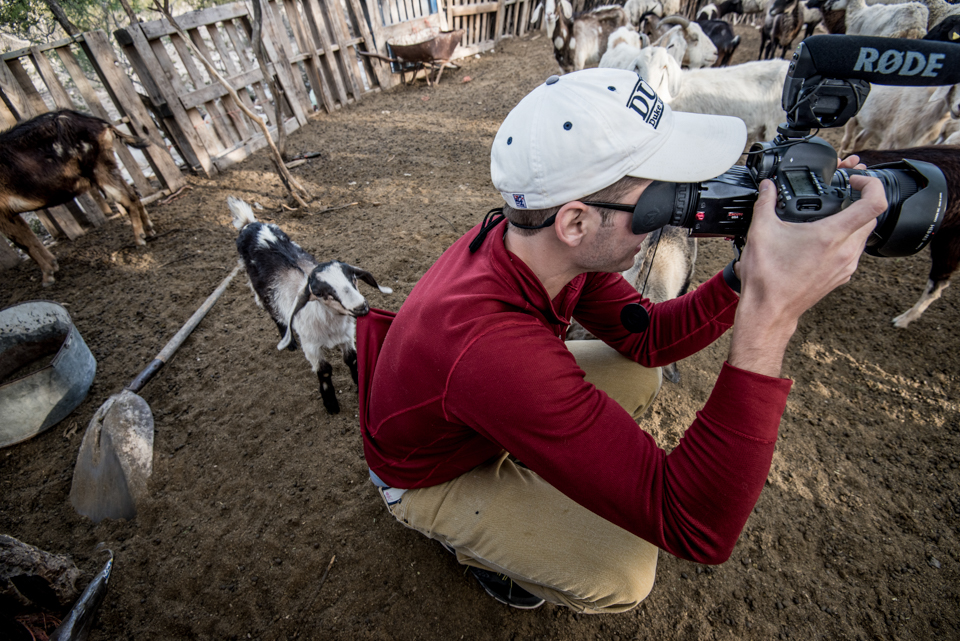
(36, 395)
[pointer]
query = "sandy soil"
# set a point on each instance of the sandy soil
(256, 488)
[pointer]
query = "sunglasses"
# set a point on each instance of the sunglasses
(657, 206)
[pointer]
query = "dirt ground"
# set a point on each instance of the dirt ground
(256, 488)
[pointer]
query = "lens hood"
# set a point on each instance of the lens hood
(906, 232)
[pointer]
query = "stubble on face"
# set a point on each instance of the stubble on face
(613, 247)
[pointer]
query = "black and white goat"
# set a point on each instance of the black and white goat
(320, 301)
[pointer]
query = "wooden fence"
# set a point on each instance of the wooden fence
(313, 50)
(485, 22)
(49, 77)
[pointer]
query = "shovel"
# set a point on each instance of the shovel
(116, 455)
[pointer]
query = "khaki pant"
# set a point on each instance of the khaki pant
(503, 517)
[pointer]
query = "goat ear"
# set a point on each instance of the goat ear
(940, 93)
(302, 299)
(368, 278)
(567, 9)
(536, 12)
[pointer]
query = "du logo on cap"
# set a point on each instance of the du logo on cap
(645, 101)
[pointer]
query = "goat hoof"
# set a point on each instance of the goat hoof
(901, 322)
(332, 408)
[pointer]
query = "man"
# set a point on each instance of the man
(474, 367)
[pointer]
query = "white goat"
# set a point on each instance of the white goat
(687, 42)
(749, 91)
(939, 10)
(578, 41)
(622, 47)
(905, 20)
(636, 9)
(949, 133)
(318, 301)
(901, 117)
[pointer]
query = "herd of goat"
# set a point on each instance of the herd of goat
(51, 159)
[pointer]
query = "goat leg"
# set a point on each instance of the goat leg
(327, 392)
(945, 256)
(18, 231)
(350, 358)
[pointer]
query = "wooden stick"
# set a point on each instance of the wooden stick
(313, 600)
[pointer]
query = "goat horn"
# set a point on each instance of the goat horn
(680, 20)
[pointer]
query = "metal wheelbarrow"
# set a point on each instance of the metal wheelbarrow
(432, 53)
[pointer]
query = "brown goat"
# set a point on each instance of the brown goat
(51, 159)
(945, 244)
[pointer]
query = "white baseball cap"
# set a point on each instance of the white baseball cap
(579, 133)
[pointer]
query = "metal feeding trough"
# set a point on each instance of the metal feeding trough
(45, 369)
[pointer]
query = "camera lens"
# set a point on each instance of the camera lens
(916, 197)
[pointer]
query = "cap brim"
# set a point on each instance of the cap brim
(699, 147)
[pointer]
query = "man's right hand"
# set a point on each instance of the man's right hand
(786, 268)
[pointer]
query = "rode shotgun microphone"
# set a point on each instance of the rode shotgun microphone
(829, 77)
(881, 61)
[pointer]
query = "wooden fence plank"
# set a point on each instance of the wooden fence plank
(192, 20)
(383, 76)
(348, 49)
(227, 55)
(475, 9)
(212, 144)
(234, 119)
(326, 64)
(343, 54)
(250, 146)
(240, 46)
(231, 69)
(155, 81)
(498, 29)
(7, 119)
(34, 105)
(96, 46)
(19, 102)
(9, 257)
(210, 92)
(278, 48)
(90, 97)
(306, 44)
(222, 124)
(45, 70)
(66, 222)
(278, 73)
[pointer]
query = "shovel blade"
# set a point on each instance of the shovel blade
(115, 459)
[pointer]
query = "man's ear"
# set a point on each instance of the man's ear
(574, 221)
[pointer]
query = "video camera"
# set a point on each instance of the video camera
(826, 85)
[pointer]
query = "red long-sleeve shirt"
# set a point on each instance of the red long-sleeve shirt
(474, 363)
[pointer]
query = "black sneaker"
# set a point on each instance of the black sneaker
(503, 589)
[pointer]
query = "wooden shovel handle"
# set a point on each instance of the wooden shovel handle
(137, 384)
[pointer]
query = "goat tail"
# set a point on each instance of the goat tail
(131, 141)
(242, 212)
